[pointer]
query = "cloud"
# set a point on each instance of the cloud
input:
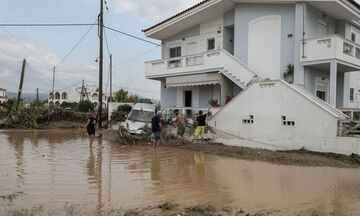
(39, 67)
(39, 70)
(152, 9)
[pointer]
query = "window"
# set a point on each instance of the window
(321, 95)
(353, 37)
(351, 94)
(348, 48)
(211, 44)
(138, 115)
(175, 52)
(357, 53)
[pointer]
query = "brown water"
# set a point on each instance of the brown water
(51, 168)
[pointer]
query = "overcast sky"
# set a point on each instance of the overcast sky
(45, 47)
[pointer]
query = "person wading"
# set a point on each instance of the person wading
(181, 126)
(157, 129)
(201, 123)
(91, 126)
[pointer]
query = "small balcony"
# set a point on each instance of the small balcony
(183, 64)
(211, 61)
(330, 47)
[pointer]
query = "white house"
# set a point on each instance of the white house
(2, 95)
(218, 47)
(74, 95)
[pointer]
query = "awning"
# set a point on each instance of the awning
(194, 80)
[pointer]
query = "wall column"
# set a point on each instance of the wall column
(299, 25)
(333, 78)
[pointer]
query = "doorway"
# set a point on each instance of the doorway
(188, 98)
(322, 88)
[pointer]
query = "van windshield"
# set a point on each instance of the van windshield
(137, 115)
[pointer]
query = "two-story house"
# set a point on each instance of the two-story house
(216, 47)
(74, 95)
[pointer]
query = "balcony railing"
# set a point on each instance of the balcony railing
(215, 60)
(331, 47)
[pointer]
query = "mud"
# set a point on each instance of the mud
(57, 172)
(301, 157)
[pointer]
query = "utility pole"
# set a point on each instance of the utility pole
(53, 86)
(37, 95)
(110, 77)
(101, 24)
(21, 84)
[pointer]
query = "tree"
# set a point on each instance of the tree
(121, 95)
(124, 108)
(86, 106)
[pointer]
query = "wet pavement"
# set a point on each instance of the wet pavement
(57, 168)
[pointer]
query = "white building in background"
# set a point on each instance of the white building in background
(3, 95)
(218, 47)
(74, 95)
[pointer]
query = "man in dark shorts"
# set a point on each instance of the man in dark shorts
(92, 126)
(201, 123)
(157, 129)
(181, 126)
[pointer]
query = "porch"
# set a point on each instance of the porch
(196, 90)
(326, 60)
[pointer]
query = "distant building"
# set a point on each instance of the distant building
(2, 95)
(74, 95)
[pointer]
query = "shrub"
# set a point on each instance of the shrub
(86, 106)
(124, 108)
(72, 105)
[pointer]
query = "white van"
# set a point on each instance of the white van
(140, 115)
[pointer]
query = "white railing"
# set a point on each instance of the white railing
(217, 60)
(331, 47)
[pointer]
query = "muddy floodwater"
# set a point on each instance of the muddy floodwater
(57, 168)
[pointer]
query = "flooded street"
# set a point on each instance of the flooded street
(56, 168)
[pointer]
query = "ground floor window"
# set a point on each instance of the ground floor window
(321, 95)
(351, 94)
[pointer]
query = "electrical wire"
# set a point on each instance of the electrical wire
(130, 35)
(74, 47)
(46, 24)
(135, 57)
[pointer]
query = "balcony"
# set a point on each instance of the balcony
(217, 60)
(330, 47)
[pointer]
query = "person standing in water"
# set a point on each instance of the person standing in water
(157, 129)
(92, 125)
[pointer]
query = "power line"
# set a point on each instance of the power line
(130, 35)
(72, 49)
(46, 24)
(106, 42)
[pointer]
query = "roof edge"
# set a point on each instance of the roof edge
(176, 15)
(353, 2)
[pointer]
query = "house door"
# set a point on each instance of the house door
(188, 98)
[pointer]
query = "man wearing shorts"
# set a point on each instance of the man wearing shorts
(181, 126)
(91, 126)
(201, 123)
(157, 129)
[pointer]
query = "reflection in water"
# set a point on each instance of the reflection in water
(53, 167)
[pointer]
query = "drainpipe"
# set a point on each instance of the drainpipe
(303, 39)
